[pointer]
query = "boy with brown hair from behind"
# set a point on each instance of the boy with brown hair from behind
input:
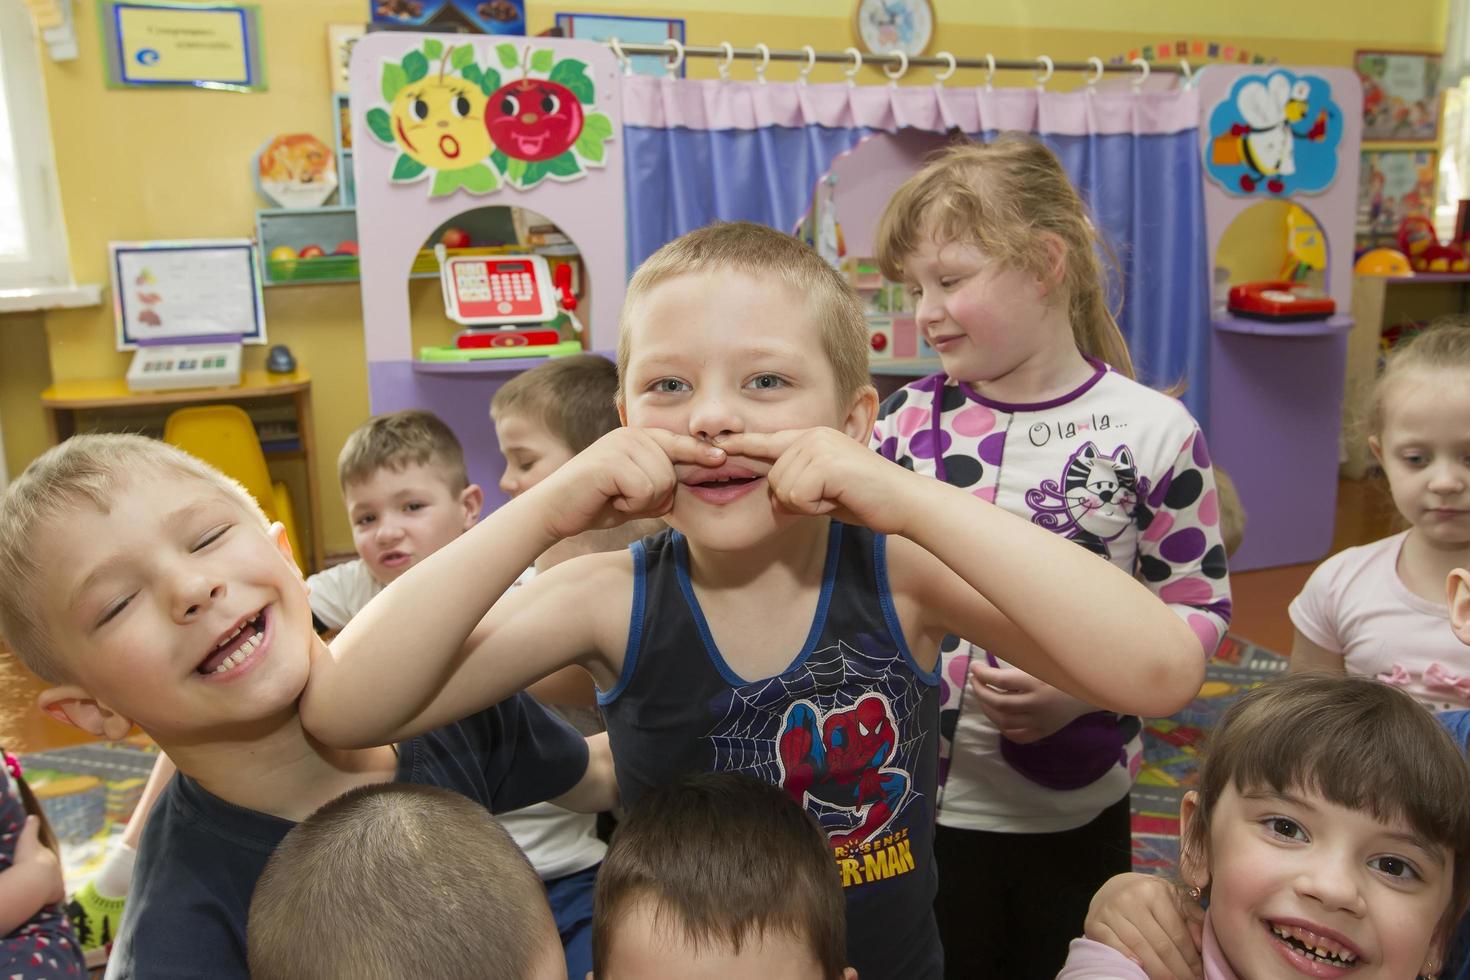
(719, 875)
(397, 880)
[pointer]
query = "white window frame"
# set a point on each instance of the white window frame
(22, 86)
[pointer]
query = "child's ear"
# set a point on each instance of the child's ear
(1457, 591)
(283, 545)
(862, 414)
(849, 974)
(75, 706)
(472, 499)
(623, 420)
(1056, 261)
(1194, 865)
(1376, 448)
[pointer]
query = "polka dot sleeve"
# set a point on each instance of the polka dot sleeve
(1181, 557)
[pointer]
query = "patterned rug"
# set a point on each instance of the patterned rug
(1171, 749)
(88, 791)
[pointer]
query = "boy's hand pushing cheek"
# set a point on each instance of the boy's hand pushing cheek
(627, 474)
(824, 471)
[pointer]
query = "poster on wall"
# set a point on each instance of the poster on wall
(1275, 135)
(1400, 96)
(458, 16)
(635, 30)
(155, 44)
(523, 117)
(1393, 185)
(187, 289)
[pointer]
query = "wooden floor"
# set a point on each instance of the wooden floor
(1364, 513)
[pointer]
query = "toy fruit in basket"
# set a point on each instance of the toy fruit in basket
(1418, 240)
(312, 252)
(349, 247)
(1383, 262)
(283, 261)
(455, 238)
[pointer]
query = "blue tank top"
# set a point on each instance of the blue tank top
(850, 729)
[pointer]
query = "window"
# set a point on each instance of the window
(32, 236)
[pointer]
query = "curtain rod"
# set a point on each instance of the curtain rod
(1043, 66)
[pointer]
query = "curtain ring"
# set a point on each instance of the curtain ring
(940, 77)
(760, 69)
(621, 55)
(811, 62)
(1047, 70)
(989, 71)
(1097, 71)
(676, 48)
(903, 67)
(1143, 69)
(857, 64)
(729, 58)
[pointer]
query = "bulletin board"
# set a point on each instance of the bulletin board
(173, 292)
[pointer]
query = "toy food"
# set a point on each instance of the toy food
(454, 238)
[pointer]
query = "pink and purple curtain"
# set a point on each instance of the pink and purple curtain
(704, 150)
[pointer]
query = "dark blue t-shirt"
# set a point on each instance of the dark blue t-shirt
(200, 856)
(849, 730)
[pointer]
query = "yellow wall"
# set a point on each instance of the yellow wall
(158, 164)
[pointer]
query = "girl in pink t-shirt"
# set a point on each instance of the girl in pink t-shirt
(1317, 862)
(1378, 610)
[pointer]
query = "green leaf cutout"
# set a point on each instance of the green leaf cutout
(536, 172)
(407, 168)
(478, 179)
(507, 55)
(515, 171)
(541, 61)
(433, 48)
(490, 80)
(461, 56)
(381, 124)
(573, 74)
(415, 65)
(596, 130)
(394, 79)
(472, 73)
(564, 165)
(500, 160)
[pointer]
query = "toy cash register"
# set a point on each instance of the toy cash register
(1279, 300)
(509, 305)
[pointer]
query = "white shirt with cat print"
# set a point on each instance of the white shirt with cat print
(1122, 470)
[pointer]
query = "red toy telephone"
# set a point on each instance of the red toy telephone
(1278, 300)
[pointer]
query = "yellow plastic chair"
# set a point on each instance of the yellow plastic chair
(224, 437)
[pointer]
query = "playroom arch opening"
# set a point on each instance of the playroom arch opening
(508, 242)
(1271, 241)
